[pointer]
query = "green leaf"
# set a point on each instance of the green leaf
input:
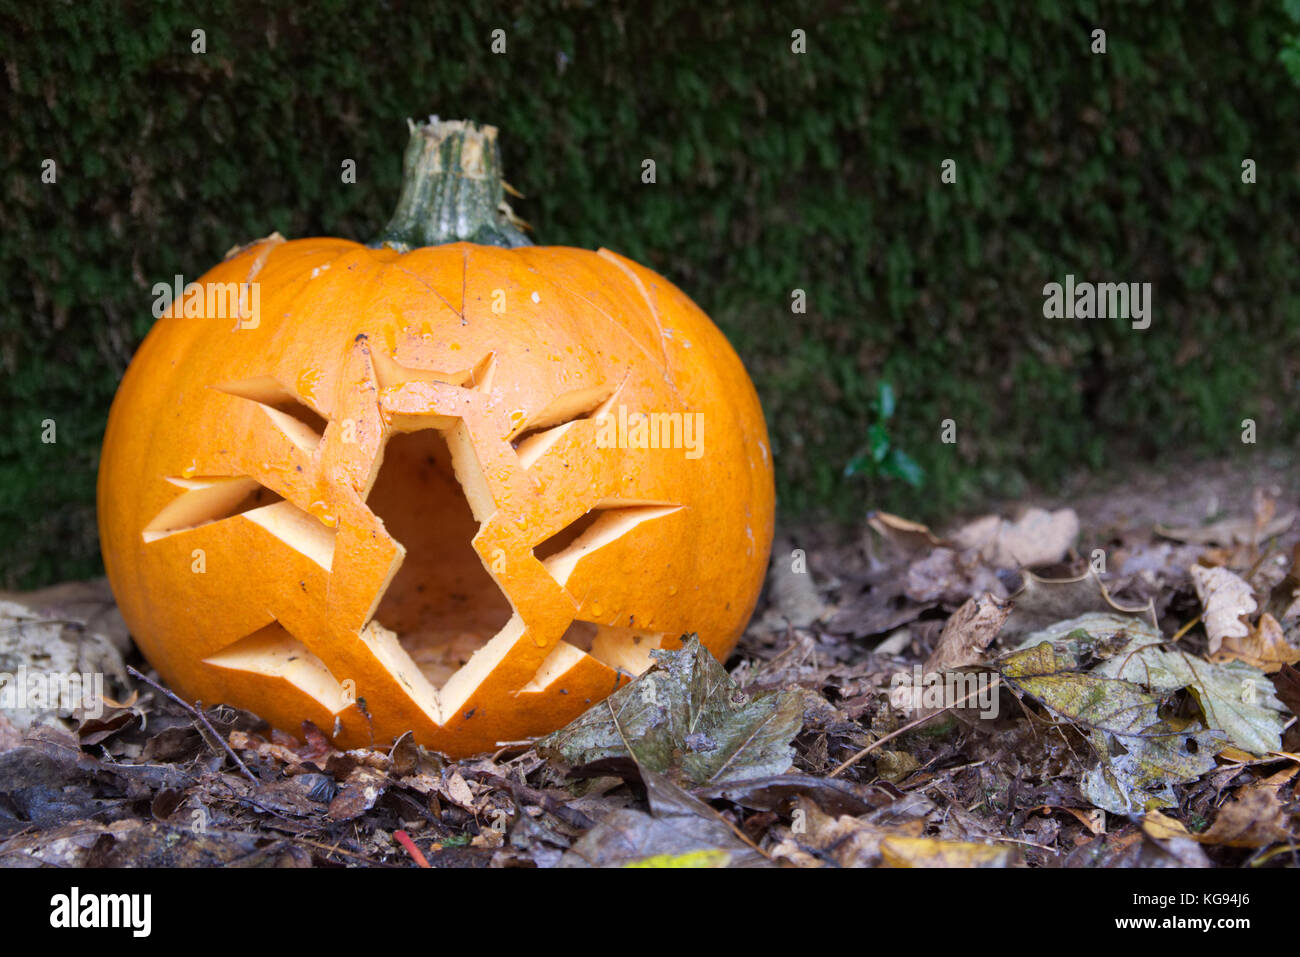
(1234, 697)
(885, 401)
(1097, 634)
(899, 464)
(877, 442)
(686, 718)
(860, 464)
(1140, 755)
(1141, 777)
(1107, 704)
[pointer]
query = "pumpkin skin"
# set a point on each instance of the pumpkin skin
(460, 390)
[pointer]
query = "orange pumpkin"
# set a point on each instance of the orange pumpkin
(456, 488)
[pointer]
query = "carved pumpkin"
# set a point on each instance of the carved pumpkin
(456, 488)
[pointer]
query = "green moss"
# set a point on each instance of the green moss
(775, 172)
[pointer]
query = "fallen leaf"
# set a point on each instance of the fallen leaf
(456, 790)
(35, 644)
(1234, 697)
(1043, 602)
(1094, 820)
(906, 536)
(1153, 753)
(928, 852)
(1226, 598)
(1097, 634)
(1141, 777)
(874, 612)
(781, 792)
(794, 597)
(1265, 647)
(894, 766)
(1038, 537)
(950, 578)
(967, 634)
(1162, 827)
(816, 839)
(88, 603)
(685, 716)
(680, 830)
(1288, 688)
(1254, 818)
(358, 794)
(1233, 531)
(1284, 599)
(707, 858)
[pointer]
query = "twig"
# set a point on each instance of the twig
(1183, 630)
(1016, 840)
(201, 717)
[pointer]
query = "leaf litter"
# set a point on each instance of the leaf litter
(1142, 715)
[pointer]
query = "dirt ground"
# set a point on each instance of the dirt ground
(1121, 649)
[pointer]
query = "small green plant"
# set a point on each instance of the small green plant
(882, 458)
(1290, 55)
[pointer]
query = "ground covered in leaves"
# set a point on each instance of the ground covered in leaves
(1107, 687)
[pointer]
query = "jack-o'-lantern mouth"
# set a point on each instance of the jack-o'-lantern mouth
(442, 603)
(447, 606)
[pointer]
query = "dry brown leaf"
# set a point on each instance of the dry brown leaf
(88, 602)
(1264, 508)
(1226, 598)
(1287, 683)
(969, 631)
(1038, 537)
(1042, 602)
(243, 741)
(1093, 819)
(815, 839)
(1231, 531)
(1280, 778)
(1254, 818)
(1235, 755)
(457, 790)
(907, 536)
(1283, 601)
(794, 597)
(950, 578)
(1265, 647)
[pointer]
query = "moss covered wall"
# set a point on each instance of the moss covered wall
(775, 171)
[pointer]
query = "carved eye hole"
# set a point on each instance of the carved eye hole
(534, 437)
(302, 424)
(604, 524)
(207, 500)
(215, 499)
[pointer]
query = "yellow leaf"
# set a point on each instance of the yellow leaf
(1161, 827)
(928, 852)
(706, 858)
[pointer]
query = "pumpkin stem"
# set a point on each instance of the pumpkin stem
(452, 189)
